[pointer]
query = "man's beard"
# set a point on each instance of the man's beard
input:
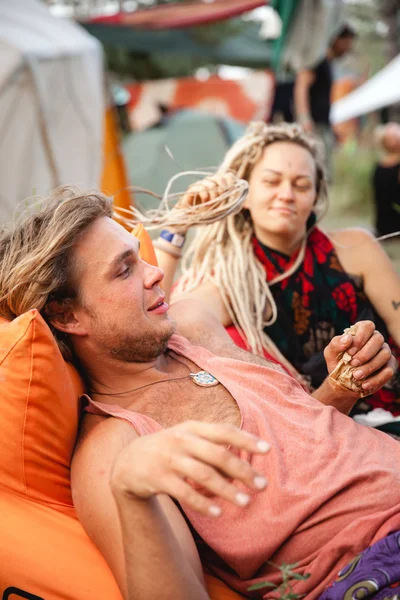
(138, 348)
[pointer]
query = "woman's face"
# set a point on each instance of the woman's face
(282, 191)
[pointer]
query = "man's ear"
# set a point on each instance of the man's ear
(62, 316)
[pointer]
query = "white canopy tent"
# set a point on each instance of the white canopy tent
(51, 104)
(381, 90)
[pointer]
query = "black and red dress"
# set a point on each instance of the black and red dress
(314, 304)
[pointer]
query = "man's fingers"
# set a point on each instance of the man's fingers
(164, 452)
(224, 434)
(225, 461)
(380, 360)
(211, 480)
(378, 380)
(370, 349)
(177, 488)
(364, 330)
(338, 344)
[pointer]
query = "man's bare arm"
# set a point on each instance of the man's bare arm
(304, 81)
(160, 553)
(375, 361)
(122, 488)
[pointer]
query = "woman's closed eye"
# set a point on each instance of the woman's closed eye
(271, 181)
(303, 184)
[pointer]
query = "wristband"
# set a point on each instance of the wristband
(159, 245)
(176, 239)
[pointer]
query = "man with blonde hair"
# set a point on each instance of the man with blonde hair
(174, 443)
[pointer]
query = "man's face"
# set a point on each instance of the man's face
(391, 137)
(121, 305)
(342, 46)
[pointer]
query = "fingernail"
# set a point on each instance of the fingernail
(352, 351)
(214, 511)
(366, 386)
(344, 339)
(359, 374)
(260, 482)
(355, 362)
(263, 446)
(242, 499)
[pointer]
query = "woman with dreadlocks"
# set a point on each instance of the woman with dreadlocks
(279, 284)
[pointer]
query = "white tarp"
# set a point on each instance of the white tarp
(381, 90)
(51, 104)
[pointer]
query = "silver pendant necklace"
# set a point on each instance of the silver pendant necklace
(201, 378)
(204, 379)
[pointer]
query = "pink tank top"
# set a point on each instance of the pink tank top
(334, 485)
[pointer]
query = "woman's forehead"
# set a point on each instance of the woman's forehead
(282, 156)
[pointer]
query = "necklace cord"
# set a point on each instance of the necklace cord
(94, 393)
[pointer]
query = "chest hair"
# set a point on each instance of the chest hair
(173, 402)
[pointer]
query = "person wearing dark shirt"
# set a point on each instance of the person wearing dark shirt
(312, 91)
(386, 181)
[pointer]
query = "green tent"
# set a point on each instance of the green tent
(196, 141)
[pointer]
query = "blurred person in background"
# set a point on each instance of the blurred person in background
(312, 91)
(281, 286)
(386, 180)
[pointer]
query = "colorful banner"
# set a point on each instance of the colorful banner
(245, 100)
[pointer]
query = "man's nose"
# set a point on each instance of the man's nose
(153, 275)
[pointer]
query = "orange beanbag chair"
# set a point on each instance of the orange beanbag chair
(44, 552)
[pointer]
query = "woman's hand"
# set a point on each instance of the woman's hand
(371, 355)
(163, 462)
(206, 190)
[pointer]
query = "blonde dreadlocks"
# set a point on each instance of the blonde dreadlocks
(223, 252)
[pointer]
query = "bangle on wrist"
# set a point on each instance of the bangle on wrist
(168, 248)
(176, 239)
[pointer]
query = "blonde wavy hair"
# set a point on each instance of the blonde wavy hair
(35, 255)
(223, 254)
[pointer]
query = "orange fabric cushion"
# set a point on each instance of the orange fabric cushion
(43, 548)
(217, 590)
(146, 245)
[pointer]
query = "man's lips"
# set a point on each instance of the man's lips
(159, 302)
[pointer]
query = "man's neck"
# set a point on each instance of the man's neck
(109, 378)
(390, 159)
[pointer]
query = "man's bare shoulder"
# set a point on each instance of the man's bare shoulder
(100, 439)
(200, 325)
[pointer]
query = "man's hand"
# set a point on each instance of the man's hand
(370, 354)
(373, 361)
(163, 462)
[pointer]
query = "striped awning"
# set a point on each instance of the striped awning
(177, 15)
